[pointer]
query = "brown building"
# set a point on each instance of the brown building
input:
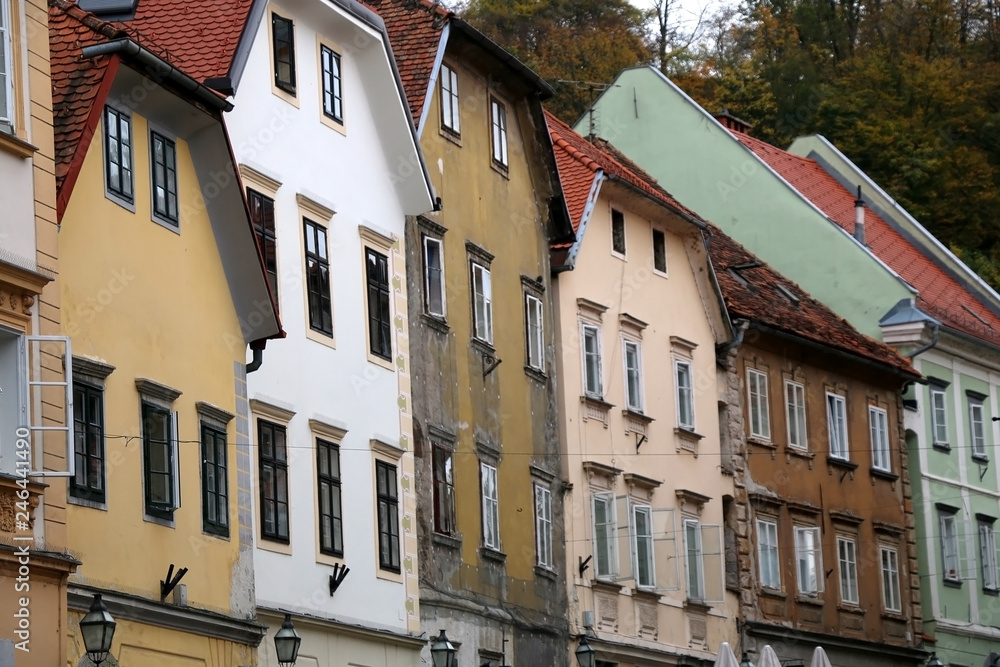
(485, 420)
(825, 550)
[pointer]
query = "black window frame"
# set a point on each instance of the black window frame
(123, 148)
(275, 465)
(285, 84)
(84, 423)
(618, 222)
(214, 443)
(659, 250)
(377, 296)
(318, 297)
(444, 491)
(260, 205)
(155, 509)
(387, 495)
(169, 176)
(329, 484)
(335, 92)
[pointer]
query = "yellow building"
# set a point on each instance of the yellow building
(164, 288)
(33, 563)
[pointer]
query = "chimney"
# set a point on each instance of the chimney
(732, 123)
(859, 219)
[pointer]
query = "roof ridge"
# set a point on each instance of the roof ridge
(72, 9)
(436, 9)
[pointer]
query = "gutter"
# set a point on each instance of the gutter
(614, 178)
(158, 69)
(545, 91)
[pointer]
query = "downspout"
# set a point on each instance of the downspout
(158, 69)
(258, 359)
(741, 327)
(935, 331)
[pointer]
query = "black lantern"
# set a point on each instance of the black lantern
(286, 643)
(443, 652)
(934, 662)
(746, 662)
(98, 630)
(586, 654)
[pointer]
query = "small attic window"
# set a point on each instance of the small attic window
(787, 293)
(110, 10)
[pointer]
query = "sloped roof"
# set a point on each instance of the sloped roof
(414, 28)
(939, 294)
(755, 291)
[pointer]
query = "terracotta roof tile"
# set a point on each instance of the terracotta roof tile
(415, 28)
(940, 295)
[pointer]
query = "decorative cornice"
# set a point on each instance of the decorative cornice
(596, 469)
(376, 237)
(802, 507)
(692, 497)
(541, 473)
(156, 390)
(846, 516)
(440, 433)
(888, 528)
(431, 225)
(310, 205)
(479, 252)
(683, 343)
(213, 412)
(92, 367)
(533, 283)
(388, 450)
(270, 410)
(251, 174)
(592, 307)
(630, 323)
(335, 433)
(647, 483)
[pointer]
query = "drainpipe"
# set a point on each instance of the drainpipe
(859, 219)
(741, 327)
(258, 359)
(935, 331)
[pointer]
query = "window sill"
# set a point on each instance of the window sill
(160, 521)
(646, 594)
(487, 553)
(500, 168)
(812, 600)
(893, 616)
(801, 452)
(446, 541)
(981, 458)
(690, 604)
(688, 434)
(992, 592)
(84, 502)
(596, 402)
(483, 347)
(546, 573)
(760, 442)
(219, 535)
(942, 447)
(638, 416)
(841, 463)
(451, 135)
(606, 585)
(773, 593)
(884, 474)
(435, 322)
(16, 146)
(952, 583)
(850, 608)
(536, 374)
(170, 225)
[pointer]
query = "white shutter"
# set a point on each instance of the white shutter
(665, 550)
(626, 543)
(175, 460)
(714, 563)
(45, 355)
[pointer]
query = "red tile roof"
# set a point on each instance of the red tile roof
(940, 295)
(415, 28)
(202, 45)
(752, 292)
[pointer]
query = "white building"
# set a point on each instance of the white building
(331, 165)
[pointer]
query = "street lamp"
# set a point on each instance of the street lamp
(934, 662)
(286, 643)
(443, 652)
(98, 630)
(746, 662)
(586, 655)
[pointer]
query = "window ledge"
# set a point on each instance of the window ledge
(451, 135)
(884, 474)
(993, 592)
(638, 416)
(483, 347)
(981, 458)
(690, 604)
(607, 585)
(813, 600)
(850, 608)
(646, 593)
(501, 169)
(773, 593)
(688, 434)
(800, 452)
(942, 447)
(446, 541)
(596, 402)
(893, 616)
(536, 374)
(952, 583)
(16, 146)
(487, 553)
(760, 442)
(84, 502)
(439, 324)
(841, 463)
(546, 573)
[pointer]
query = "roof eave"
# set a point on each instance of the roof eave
(544, 90)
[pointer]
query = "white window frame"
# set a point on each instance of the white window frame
(686, 422)
(795, 411)
(948, 523)
(808, 555)
(977, 416)
(451, 119)
(847, 559)
(759, 403)
(837, 430)
(647, 539)
(939, 415)
(889, 562)
(694, 560)
(482, 298)
(498, 126)
(543, 528)
(7, 85)
(490, 499)
(429, 281)
(633, 402)
(988, 556)
(611, 528)
(878, 426)
(534, 323)
(598, 391)
(768, 555)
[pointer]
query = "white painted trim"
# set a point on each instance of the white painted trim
(432, 83)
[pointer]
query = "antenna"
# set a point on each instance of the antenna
(593, 87)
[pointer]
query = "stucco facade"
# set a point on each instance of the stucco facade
(34, 564)
(335, 394)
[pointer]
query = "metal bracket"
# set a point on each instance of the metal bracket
(489, 364)
(639, 439)
(167, 586)
(584, 564)
(337, 578)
